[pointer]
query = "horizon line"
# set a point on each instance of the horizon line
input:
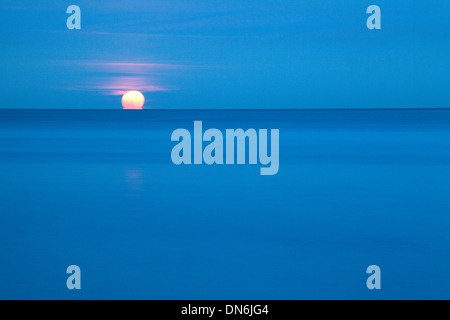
(227, 109)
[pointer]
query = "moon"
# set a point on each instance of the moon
(133, 100)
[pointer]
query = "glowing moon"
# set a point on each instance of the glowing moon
(133, 100)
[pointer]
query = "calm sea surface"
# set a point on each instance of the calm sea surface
(98, 189)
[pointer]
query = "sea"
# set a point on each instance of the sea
(98, 189)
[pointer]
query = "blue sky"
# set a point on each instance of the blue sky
(225, 54)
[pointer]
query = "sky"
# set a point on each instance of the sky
(237, 54)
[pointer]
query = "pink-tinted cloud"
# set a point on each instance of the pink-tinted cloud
(129, 67)
(120, 85)
(116, 78)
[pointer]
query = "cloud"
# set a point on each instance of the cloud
(129, 67)
(117, 77)
(119, 85)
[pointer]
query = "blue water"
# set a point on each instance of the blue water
(98, 189)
